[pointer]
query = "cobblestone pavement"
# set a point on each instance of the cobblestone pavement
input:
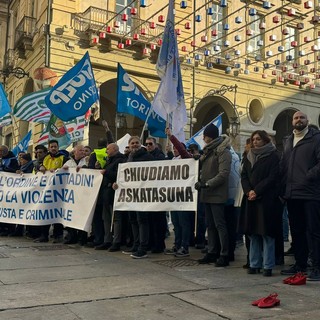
(68, 282)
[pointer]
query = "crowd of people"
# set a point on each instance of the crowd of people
(238, 198)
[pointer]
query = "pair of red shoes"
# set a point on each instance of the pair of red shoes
(267, 302)
(298, 279)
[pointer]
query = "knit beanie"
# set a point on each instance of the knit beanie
(211, 131)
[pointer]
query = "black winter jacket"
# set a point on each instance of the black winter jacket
(111, 168)
(300, 167)
(157, 154)
(141, 155)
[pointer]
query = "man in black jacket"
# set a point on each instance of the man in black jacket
(110, 176)
(158, 220)
(139, 220)
(300, 168)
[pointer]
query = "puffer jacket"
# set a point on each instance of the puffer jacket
(300, 167)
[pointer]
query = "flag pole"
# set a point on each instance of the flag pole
(146, 122)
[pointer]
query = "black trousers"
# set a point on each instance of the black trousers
(304, 219)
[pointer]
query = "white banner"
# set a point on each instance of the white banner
(157, 186)
(66, 197)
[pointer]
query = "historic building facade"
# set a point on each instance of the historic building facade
(256, 62)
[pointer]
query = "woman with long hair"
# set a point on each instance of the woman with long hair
(260, 183)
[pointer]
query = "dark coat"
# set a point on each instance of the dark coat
(28, 167)
(110, 175)
(260, 216)
(157, 154)
(300, 167)
(9, 163)
(141, 155)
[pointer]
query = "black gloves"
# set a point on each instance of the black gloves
(196, 156)
(201, 185)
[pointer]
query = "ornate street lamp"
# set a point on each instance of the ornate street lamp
(17, 72)
(234, 126)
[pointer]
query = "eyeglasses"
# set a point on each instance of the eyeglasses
(149, 144)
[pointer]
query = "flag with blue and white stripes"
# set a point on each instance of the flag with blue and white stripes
(198, 137)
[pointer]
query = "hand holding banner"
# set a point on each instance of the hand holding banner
(157, 186)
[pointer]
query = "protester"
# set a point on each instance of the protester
(26, 166)
(26, 163)
(182, 220)
(200, 239)
(110, 172)
(240, 202)
(40, 153)
(158, 219)
(139, 220)
(8, 163)
(52, 161)
(260, 182)
(231, 212)
(87, 152)
(77, 161)
(300, 168)
(20, 154)
(98, 160)
(215, 166)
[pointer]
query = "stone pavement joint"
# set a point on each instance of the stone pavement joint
(86, 284)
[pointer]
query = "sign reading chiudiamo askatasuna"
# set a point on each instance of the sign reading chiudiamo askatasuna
(65, 196)
(157, 186)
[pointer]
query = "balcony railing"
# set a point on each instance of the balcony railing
(95, 20)
(25, 32)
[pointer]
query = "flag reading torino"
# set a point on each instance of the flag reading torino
(157, 186)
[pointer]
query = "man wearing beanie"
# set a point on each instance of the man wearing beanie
(215, 165)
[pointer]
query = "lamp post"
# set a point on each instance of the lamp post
(234, 126)
(17, 72)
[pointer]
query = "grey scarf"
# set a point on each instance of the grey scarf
(255, 154)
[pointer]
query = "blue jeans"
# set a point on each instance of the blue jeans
(285, 224)
(181, 221)
(262, 252)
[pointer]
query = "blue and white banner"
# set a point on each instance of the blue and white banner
(22, 146)
(75, 92)
(198, 137)
(130, 100)
(53, 197)
(169, 99)
(4, 103)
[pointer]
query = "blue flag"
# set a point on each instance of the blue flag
(169, 99)
(22, 146)
(198, 137)
(75, 92)
(4, 103)
(130, 100)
